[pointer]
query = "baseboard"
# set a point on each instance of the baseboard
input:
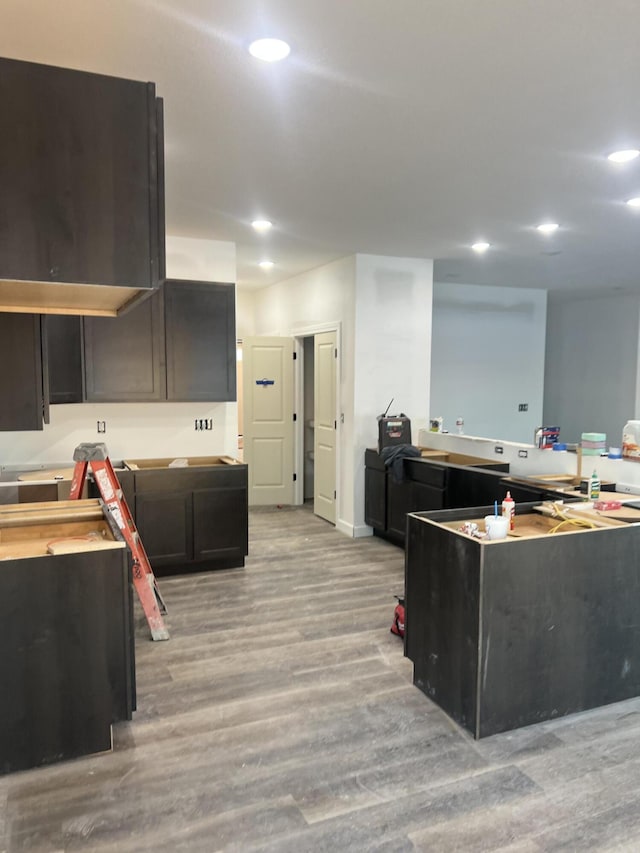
(355, 531)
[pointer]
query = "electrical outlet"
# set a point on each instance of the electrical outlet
(523, 454)
(627, 488)
(498, 449)
(102, 426)
(523, 407)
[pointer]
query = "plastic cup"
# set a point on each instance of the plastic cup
(497, 526)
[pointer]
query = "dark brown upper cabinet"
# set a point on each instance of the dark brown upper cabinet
(179, 344)
(124, 356)
(64, 357)
(200, 330)
(81, 171)
(21, 379)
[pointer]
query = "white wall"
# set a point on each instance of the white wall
(141, 429)
(591, 377)
(383, 305)
(245, 314)
(392, 352)
(488, 356)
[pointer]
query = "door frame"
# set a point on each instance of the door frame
(298, 402)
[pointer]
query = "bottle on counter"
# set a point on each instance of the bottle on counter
(594, 487)
(460, 426)
(509, 510)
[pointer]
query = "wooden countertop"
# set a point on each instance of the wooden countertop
(55, 474)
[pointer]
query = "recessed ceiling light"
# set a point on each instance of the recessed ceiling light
(266, 265)
(269, 50)
(547, 227)
(481, 246)
(623, 156)
(633, 202)
(262, 225)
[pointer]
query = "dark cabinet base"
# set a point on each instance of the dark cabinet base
(506, 634)
(192, 518)
(67, 663)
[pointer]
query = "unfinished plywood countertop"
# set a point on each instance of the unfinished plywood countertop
(180, 462)
(54, 527)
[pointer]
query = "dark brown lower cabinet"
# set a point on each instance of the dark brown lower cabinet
(190, 518)
(426, 485)
(67, 663)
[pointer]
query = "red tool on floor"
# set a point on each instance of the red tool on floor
(397, 626)
(96, 457)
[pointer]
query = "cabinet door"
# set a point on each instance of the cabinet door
(63, 336)
(165, 523)
(375, 498)
(220, 523)
(400, 501)
(200, 341)
(21, 391)
(79, 177)
(426, 497)
(124, 355)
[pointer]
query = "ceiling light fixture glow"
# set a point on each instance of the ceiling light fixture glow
(633, 202)
(269, 50)
(481, 246)
(623, 156)
(262, 225)
(266, 265)
(547, 227)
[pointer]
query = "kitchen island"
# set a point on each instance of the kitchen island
(507, 633)
(66, 614)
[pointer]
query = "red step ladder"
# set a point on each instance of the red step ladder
(95, 456)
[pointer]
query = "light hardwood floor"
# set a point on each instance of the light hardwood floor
(281, 717)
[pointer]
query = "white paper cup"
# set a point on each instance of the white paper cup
(497, 526)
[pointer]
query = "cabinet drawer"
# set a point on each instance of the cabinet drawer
(188, 479)
(428, 473)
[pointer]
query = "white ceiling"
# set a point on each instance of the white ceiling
(397, 127)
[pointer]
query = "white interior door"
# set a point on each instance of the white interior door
(268, 419)
(325, 425)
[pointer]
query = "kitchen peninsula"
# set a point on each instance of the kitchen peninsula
(511, 632)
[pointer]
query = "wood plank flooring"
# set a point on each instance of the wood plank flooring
(281, 717)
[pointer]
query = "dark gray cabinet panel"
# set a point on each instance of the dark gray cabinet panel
(220, 523)
(124, 355)
(165, 523)
(200, 341)
(64, 357)
(67, 666)
(375, 498)
(21, 388)
(79, 160)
